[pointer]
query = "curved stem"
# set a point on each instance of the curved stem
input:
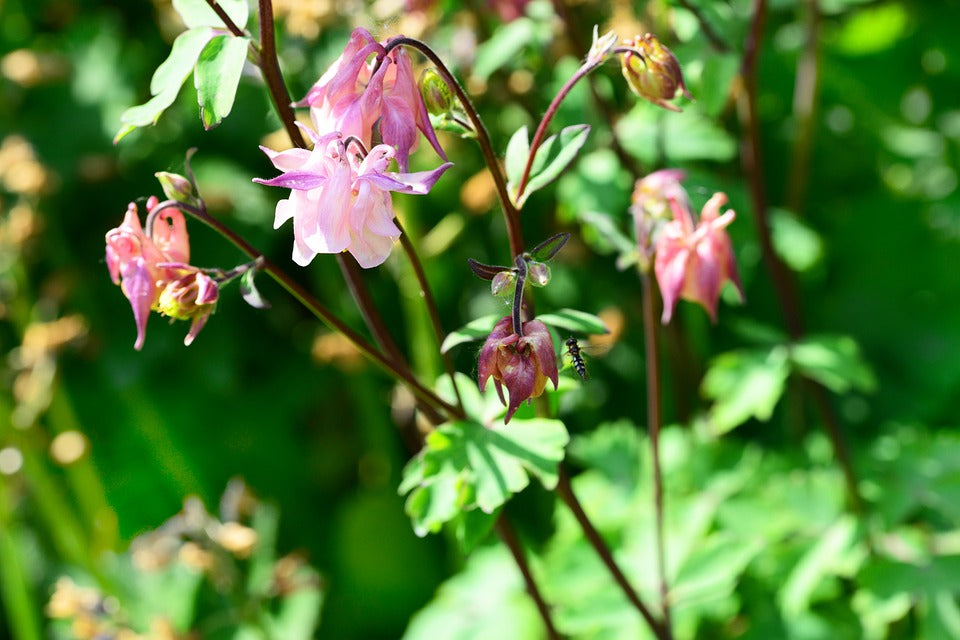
(654, 419)
(545, 122)
(565, 490)
(315, 307)
(509, 537)
(431, 303)
(510, 213)
(227, 21)
(270, 66)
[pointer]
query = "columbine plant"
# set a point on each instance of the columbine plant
(367, 113)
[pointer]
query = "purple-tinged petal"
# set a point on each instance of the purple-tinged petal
(139, 288)
(288, 160)
(299, 180)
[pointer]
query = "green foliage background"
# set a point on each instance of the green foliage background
(872, 232)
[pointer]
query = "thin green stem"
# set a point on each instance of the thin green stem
(654, 419)
(316, 307)
(806, 89)
(427, 294)
(510, 213)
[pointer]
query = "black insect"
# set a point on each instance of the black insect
(573, 349)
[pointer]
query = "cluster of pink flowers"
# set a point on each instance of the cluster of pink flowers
(693, 259)
(340, 197)
(153, 272)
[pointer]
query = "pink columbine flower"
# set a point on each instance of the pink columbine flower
(366, 84)
(340, 202)
(145, 266)
(693, 262)
(522, 364)
(650, 206)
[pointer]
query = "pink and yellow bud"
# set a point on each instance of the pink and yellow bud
(522, 364)
(192, 296)
(652, 72)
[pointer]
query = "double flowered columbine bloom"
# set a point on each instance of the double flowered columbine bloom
(366, 84)
(693, 261)
(340, 202)
(522, 364)
(153, 271)
(340, 193)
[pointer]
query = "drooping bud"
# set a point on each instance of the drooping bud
(192, 296)
(436, 94)
(652, 71)
(521, 364)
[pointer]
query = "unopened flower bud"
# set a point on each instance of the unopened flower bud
(538, 273)
(653, 72)
(522, 364)
(436, 94)
(177, 187)
(503, 283)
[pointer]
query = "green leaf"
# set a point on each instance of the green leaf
(485, 600)
(217, 76)
(465, 465)
(574, 321)
(553, 157)
(719, 71)
(515, 158)
(689, 135)
(473, 330)
(503, 46)
(798, 244)
(820, 562)
(607, 231)
(745, 384)
(873, 29)
(833, 361)
(472, 527)
(167, 80)
(197, 13)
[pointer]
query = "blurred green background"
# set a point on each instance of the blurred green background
(99, 443)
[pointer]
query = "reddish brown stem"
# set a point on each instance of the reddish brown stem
(509, 538)
(565, 491)
(654, 419)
